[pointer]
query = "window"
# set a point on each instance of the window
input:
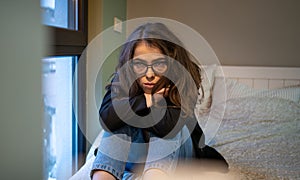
(58, 121)
(63, 87)
(66, 20)
(60, 13)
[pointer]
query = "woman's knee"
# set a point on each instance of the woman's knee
(99, 175)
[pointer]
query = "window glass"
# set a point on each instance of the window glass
(64, 142)
(60, 13)
(59, 132)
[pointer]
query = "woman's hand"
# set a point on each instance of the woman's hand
(156, 96)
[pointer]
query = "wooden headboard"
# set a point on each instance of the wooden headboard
(261, 77)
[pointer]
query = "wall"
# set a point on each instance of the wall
(247, 32)
(94, 18)
(111, 9)
(101, 17)
(21, 109)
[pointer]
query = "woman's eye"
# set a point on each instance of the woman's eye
(138, 64)
(159, 64)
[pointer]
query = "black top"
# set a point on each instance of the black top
(166, 127)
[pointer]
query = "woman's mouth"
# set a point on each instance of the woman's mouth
(149, 85)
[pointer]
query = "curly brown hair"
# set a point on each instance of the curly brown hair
(183, 83)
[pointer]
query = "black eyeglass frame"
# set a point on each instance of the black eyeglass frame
(139, 61)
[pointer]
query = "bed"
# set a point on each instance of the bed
(251, 115)
(259, 131)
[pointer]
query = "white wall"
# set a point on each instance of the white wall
(101, 17)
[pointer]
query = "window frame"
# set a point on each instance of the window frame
(68, 42)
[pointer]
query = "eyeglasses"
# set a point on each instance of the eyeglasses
(141, 67)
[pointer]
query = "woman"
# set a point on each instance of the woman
(148, 110)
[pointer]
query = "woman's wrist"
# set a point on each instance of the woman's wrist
(148, 99)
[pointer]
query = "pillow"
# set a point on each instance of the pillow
(234, 89)
(228, 89)
(208, 77)
(289, 93)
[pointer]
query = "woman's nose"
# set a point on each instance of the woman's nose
(150, 74)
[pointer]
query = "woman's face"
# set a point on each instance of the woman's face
(148, 62)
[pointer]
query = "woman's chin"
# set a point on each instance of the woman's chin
(147, 90)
